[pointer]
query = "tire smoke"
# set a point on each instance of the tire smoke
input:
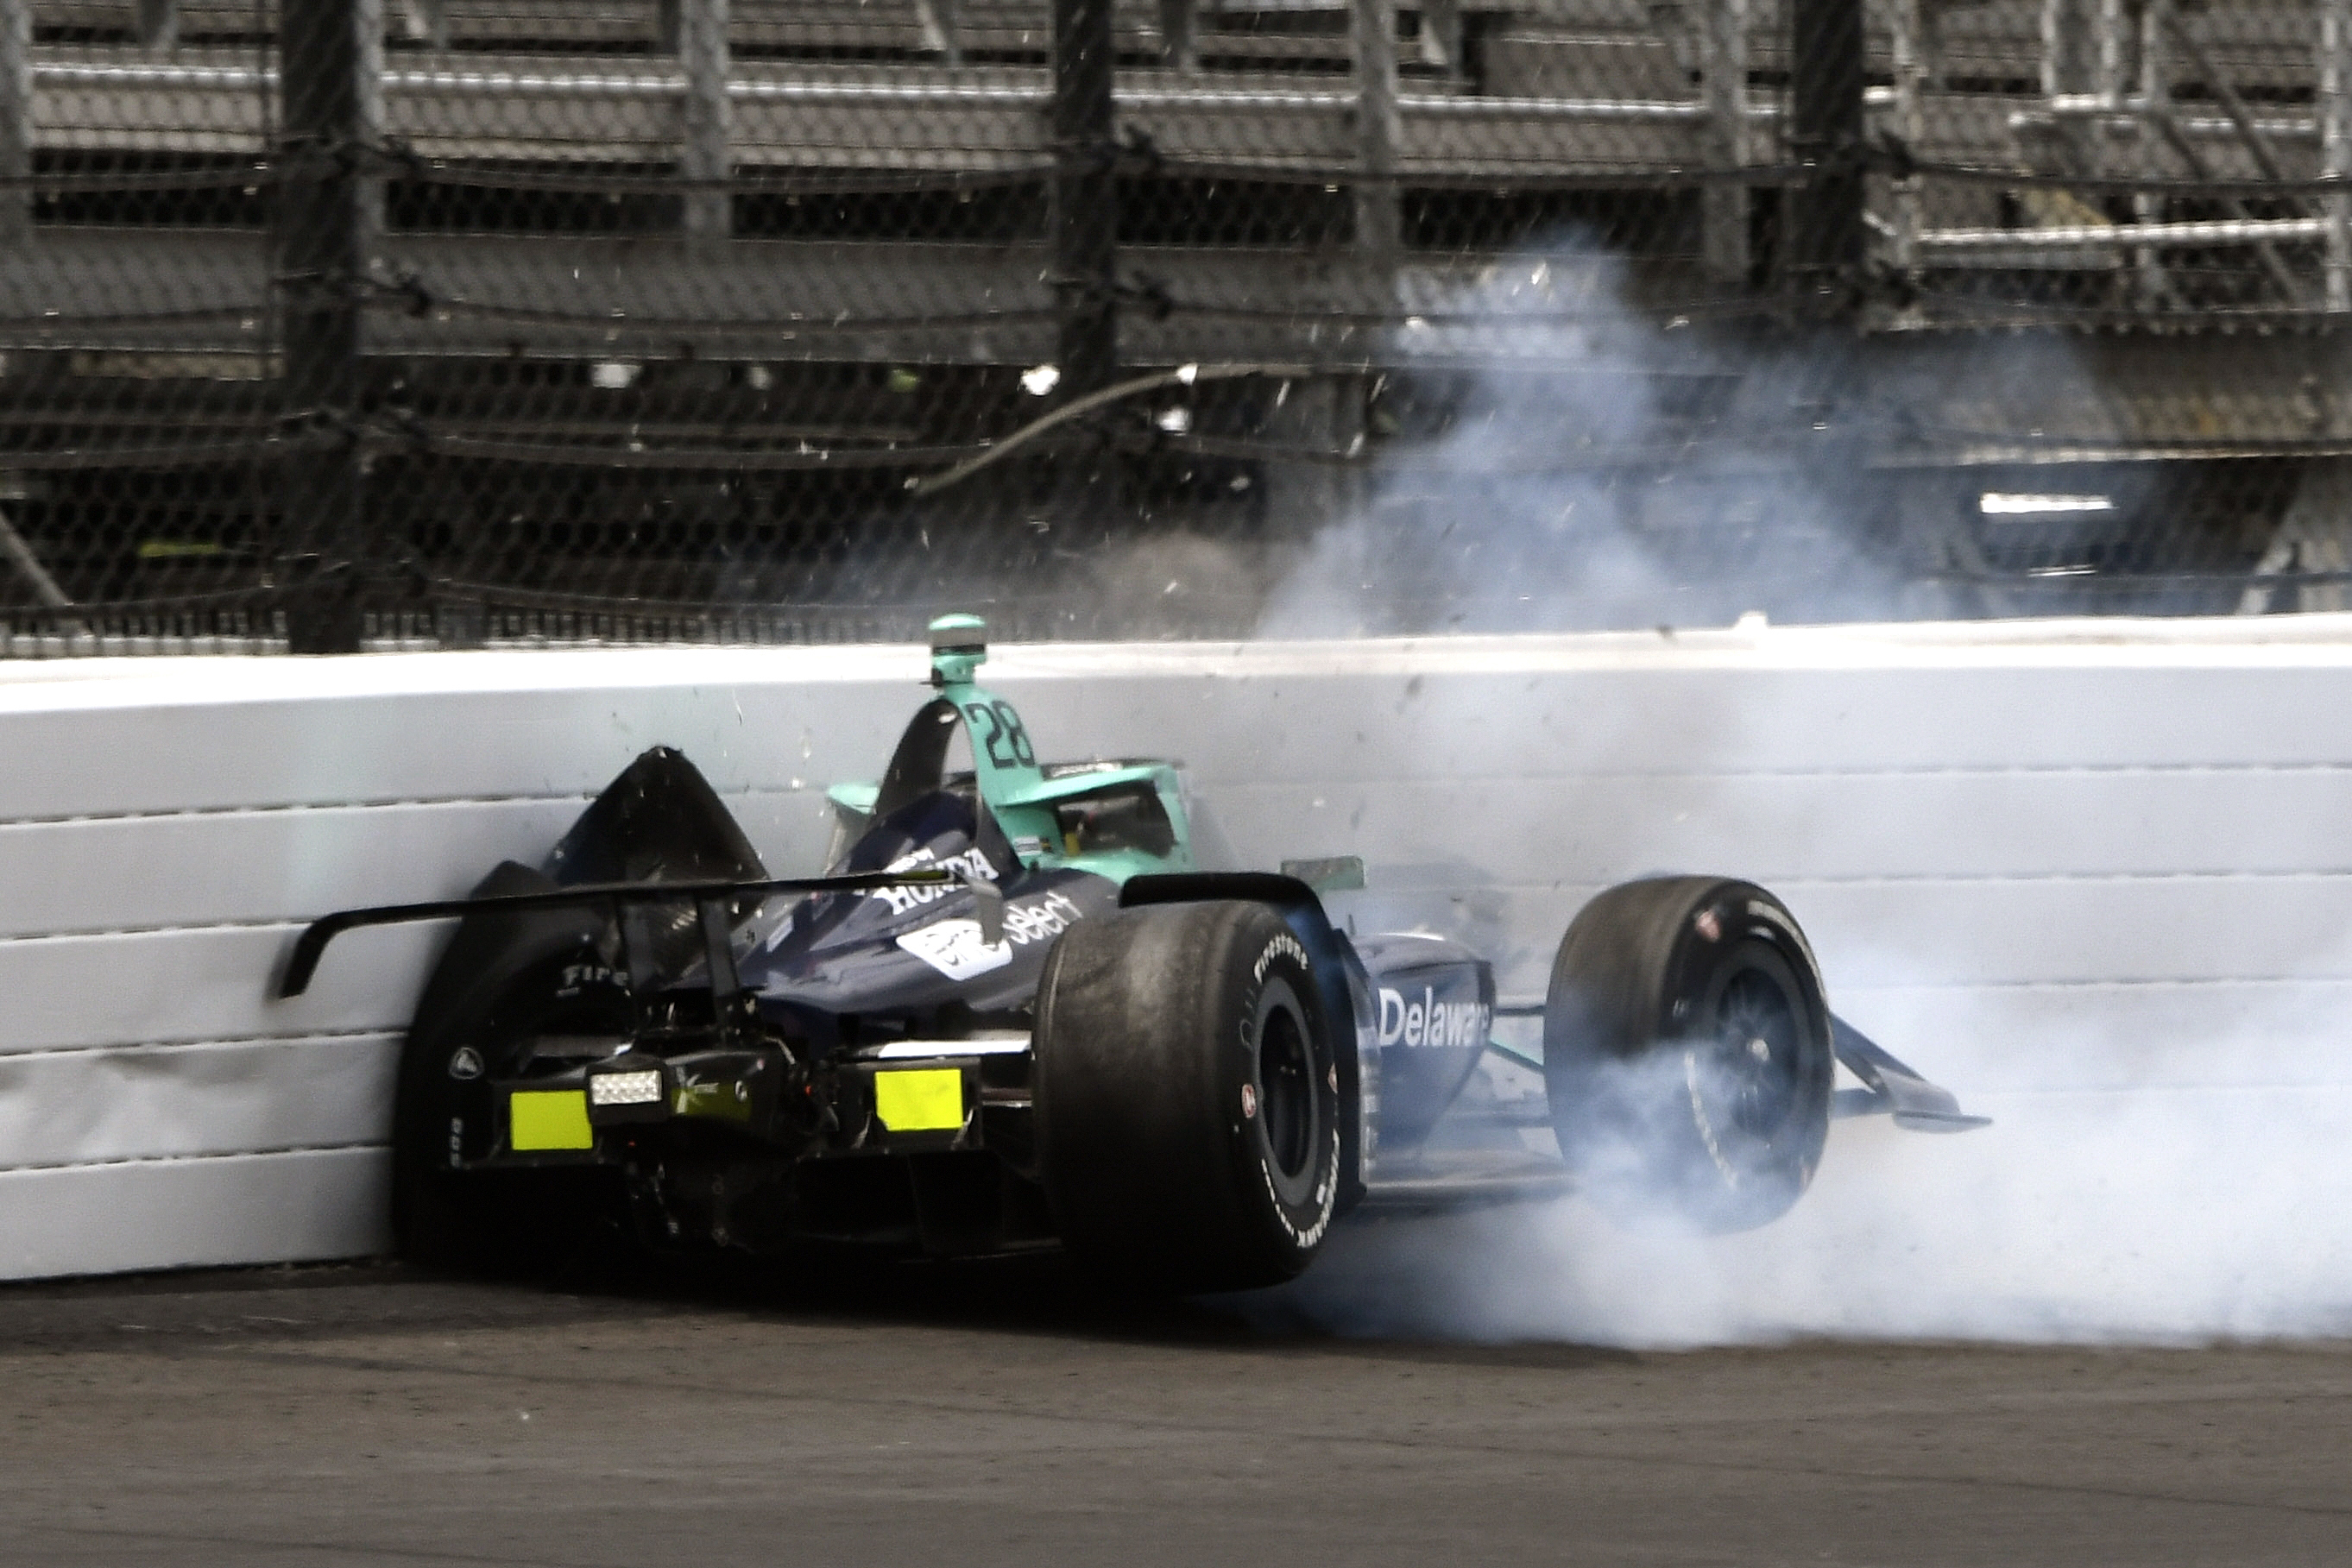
(2169, 1163)
(1600, 470)
(2151, 1212)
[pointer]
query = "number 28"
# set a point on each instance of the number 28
(996, 730)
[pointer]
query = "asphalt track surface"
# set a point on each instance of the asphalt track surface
(366, 1415)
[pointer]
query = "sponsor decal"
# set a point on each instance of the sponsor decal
(905, 900)
(1424, 1021)
(1787, 928)
(1282, 945)
(577, 975)
(1322, 1204)
(927, 1100)
(953, 948)
(467, 1065)
(1039, 919)
(1249, 1100)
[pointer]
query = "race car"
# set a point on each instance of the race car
(1014, 1013)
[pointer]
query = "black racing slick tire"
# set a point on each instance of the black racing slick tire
(501, 982)
(1687, 1056)
(1187, 1097)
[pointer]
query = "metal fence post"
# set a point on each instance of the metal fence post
(2070, 64)
(15, 119)
(2112, 69)
(159, 23)
(700, 41)
(2335, 143)
(1180, 33)
(942, 25)
(330, 65)
(1723, 65)
(1442, 43)
(2155, 110)
(1378, 212)
(1084, 226)
(2065, 48)
(1911, 73)
(1826, 83)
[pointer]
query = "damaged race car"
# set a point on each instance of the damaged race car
(1014, 1014)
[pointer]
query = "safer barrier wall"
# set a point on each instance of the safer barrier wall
(2026, 854)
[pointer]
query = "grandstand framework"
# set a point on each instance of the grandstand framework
(334, 322)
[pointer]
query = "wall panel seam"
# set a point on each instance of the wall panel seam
(298, 808)
(294, 807)
(1553, 780)
(195, 1159)
(228, 1042)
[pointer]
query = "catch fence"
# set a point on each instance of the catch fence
(339, 322)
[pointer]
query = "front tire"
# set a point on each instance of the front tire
(1687, 1056)
(1187, 1097)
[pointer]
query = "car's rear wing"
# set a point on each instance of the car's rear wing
(710, 898)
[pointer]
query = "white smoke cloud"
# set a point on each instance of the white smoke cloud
(2148, 1214)
(2169, 1163)
(1603, 469)
(2156, 1173)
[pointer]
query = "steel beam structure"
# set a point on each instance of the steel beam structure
(331, 117)
(1828, 78)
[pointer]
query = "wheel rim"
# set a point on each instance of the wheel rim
(1758, 1054)
(1285, 1089)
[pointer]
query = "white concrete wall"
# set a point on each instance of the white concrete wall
(2031, 856)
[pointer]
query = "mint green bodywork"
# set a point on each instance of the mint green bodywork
(1015, 788)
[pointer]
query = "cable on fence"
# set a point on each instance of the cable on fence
(1883, 156)
(781, 325)
(55, 320)
(1886, 161)
(260, 595)
(495, 596)
(2135, 582)
(1182, 375)
(1534, 179)
(1121, 159)
(1432, 458)
(255, 177)
(587, 454)
(1409, 319)
(1962, 310)
(883, 182)
(170, 454)
(2058, 450)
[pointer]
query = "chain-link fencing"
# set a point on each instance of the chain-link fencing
(332, 322)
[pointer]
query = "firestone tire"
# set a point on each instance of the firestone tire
(1687, 1058)
(1187, 1097)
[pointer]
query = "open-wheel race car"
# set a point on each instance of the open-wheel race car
(1014, 1014)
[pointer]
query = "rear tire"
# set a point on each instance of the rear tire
(1187, 1097)
(1686, 1053)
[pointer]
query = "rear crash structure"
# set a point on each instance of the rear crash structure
(1013, 1013)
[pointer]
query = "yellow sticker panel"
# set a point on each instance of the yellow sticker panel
(542, 1119)
(925, 1100)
